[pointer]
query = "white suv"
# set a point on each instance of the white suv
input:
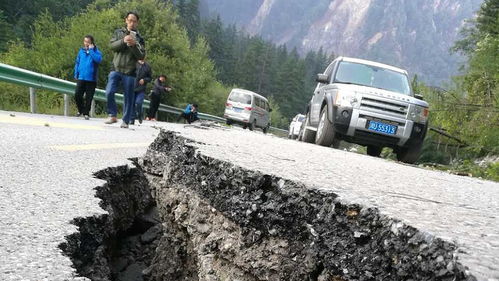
(295, 126)
(366, 103)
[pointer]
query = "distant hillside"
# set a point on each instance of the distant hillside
(412, 34)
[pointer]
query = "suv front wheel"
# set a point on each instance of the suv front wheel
(325, 135)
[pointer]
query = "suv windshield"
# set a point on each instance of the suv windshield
(372, 76)
(240, 97)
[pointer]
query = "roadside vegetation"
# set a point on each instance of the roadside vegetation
(204, 59)
(468, 109)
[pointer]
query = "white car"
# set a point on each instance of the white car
(294, 127)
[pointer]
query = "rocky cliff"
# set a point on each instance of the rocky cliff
(413, 34)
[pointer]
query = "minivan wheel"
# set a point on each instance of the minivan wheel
(409, 154)
(325, 135)
(374, 151)
(228, 122)
(252, 125)
(266, 129)
(306, 134)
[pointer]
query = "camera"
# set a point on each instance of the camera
(134, 36)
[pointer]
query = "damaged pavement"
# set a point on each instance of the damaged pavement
(211, 203)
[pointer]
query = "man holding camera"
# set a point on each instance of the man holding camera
(128, 47)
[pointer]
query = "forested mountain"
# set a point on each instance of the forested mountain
(20, 15)
(412, 34)
(253, 63)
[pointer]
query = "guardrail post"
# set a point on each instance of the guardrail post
(32, 99)
(66, 105)
(92, 109)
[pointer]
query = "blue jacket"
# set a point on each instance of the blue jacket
(188, 109)
(86, 64)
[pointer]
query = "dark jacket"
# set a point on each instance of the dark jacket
(143, 72)
(159, 88)
(126, 57)
(87, 63)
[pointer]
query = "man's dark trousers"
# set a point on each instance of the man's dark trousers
(86, 88)
(139, 100)
(154, 105)
(189, 117)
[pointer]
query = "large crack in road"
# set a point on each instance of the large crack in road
(182, 215)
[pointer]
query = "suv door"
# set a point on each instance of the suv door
(318, 98)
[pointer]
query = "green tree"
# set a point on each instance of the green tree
(5, 32)
(479, 105)
(189, 17)
(22, 14)
(55, 44)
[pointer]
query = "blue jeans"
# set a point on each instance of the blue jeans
(115, 80)
(139, 100)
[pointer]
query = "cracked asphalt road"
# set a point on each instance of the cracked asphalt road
(461, 210)
(47, 164)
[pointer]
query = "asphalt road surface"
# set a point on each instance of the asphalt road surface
(47, 164)
(461, 210)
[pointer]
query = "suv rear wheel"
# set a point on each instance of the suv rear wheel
(307, 135)
(325, 135)
(374, 151)
(409, 154)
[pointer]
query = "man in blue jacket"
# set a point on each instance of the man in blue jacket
(85, 73)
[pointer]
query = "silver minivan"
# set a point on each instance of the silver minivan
(248, 109)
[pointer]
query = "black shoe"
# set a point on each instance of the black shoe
(132, 122)
(140, 119)
(86, 117)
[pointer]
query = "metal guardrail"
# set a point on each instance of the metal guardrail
(23, 77)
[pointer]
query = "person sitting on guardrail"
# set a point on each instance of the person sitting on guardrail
(190, 113)
(128, 47)
(159, 89)
(85, 72)
(144, 76)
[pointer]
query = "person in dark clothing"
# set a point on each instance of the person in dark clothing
(190, 113)
(128, 47)
(144, 76)
(85, 72)
(159, 89)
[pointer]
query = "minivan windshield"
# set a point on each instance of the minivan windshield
(372, 76)
(240, 97)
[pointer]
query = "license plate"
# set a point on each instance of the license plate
(237, 109)
(382, 127)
